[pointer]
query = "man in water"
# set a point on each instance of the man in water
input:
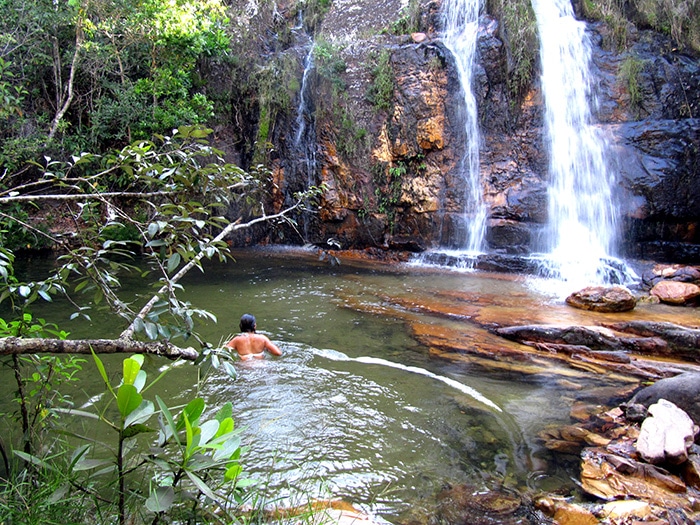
(250, 345)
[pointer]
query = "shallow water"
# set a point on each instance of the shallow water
(359, 408)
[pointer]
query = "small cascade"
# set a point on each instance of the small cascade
(580, 236)
(302, 166)
(460, 26)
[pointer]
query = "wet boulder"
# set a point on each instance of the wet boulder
(666, 435)
(682, 390)
(603, 299)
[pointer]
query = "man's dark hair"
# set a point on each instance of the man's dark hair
(247, 323)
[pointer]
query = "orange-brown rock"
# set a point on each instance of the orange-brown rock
(610, 477)
(603, 299)
(674, 292)
(565, 513)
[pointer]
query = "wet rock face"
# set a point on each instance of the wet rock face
(682, 390)
(396, 171)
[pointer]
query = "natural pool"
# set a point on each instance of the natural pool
(358, 407)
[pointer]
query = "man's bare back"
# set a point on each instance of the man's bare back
(250, 345)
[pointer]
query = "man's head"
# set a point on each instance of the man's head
(247, 323)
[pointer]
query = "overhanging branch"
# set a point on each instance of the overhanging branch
(129, 332)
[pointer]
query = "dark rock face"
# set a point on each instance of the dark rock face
(394, 172)
(682, 390)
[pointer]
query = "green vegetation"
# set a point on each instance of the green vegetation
(409, 21)
(78, 75)
(519, 32)
(628, 75)
(162, 463)
(332, 101)
(381, 92)
(680, 19)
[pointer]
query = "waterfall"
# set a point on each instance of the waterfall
(460, 25)
(582, 221)
(305, 134)
(303, 108)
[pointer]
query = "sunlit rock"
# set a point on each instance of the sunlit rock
(626, 510)
(565, 513)
(603, 299)
(674, 292)
(609, 476)
(666, 434)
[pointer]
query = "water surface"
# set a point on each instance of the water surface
(359, 406)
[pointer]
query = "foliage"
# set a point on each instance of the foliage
(678, 18)
(101, 72)
(628, 74)
(276, 85)
(184, 187)
(409, 20)
(15, 232)
(612, 13)
(191, 460)
(313, 12)
(519, 32)
(381, 92)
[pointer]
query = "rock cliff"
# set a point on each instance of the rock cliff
(383, 131)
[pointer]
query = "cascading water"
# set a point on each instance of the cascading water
(305, 134)
(460, 25)
(582, 220)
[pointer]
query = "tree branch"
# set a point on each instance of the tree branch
(18, 346)
(129, 332)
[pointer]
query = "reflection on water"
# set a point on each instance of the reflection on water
(360, 406)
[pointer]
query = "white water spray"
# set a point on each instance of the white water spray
(582, 218)
(305, 134)
(460, 25)
(334, 355)
(303, 108)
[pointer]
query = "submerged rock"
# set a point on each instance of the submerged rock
(603, 299)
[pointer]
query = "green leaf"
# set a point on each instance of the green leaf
(29, 458)
(225, 427)
(193, 410)
(102, 371)
(153, 229)
(168, 418)
(225, 412)
(161, 499)
(131, 370)
(134, 430)
(207, 431)
(173, 262)
(89, 464)
(151, 329)
(140, 380)
(203, 487)
(229, 369)
(144, 411)
(128, 399)
(233, 472)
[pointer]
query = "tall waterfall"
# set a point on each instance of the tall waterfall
(582, 218)
(460, 25)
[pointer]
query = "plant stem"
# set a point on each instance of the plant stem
(22, 404)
